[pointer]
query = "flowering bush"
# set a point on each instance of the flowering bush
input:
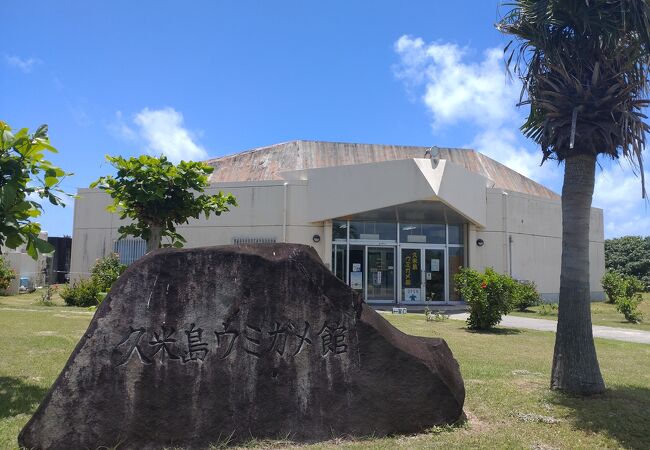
(6, 273)
(488, 294)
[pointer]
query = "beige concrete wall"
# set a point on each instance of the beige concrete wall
(534, 224)
(344, 190)
(536, 228)
(23, 265)
(261, 213)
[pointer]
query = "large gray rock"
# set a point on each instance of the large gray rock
(197, 346)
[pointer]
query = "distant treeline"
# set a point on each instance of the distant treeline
(629, 255)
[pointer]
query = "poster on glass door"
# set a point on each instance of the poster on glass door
(412, 295)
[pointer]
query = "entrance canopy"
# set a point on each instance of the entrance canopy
(350, 190)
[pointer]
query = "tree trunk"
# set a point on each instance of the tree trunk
(155, 238)
(575, 365)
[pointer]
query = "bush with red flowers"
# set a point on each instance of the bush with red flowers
(489, 296)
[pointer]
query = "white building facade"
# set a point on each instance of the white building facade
(392, 224)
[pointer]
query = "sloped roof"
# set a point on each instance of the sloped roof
(266, 163)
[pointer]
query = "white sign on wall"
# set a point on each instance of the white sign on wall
(412, 295)
(435, 265)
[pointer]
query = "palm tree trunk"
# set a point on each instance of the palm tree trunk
(575, 365)
(155, 238)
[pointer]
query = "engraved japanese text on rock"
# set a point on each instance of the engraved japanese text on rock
(195, 345)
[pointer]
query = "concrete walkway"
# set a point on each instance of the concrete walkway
(619, 334)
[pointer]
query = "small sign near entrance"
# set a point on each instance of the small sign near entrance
(356, 280)
(412, 295)
(435, 265)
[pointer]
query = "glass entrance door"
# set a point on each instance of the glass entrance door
(422, 274)
(380, 274)
(434, 275)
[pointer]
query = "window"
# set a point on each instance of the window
(339, 230)
(373, 231)
(457, 234)
(456, 261)
(418, 233)
(339, 261)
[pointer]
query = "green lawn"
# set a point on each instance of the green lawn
(601, 314)
(506, 376)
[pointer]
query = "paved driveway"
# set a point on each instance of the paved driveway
(619, 334)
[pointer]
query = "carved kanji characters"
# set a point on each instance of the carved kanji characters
(302, 336)
(253, 337)
(333, 338)
(135, 346)
(162, 343)
(226, 337)
(197, 349)
(278, 338)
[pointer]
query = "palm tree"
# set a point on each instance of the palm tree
(584, 68)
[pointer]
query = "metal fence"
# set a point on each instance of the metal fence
(253, 240)
(129, 250)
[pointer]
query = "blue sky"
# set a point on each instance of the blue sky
(206, 78)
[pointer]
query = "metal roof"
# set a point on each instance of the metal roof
(266, 163)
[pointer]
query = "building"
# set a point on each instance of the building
(393, 224)
(29, 272)
(58, 266)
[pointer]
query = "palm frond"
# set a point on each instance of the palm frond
(584, 65)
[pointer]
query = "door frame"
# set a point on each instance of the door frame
(422, 248)
(366, 269)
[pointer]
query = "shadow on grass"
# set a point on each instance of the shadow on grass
(621, 413)
(18, 397)
(496, 331)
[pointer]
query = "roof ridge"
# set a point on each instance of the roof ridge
(298, 141)
(252, 150)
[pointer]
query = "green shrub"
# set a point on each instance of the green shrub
(82, 293)
(623, 291)
(106, 271)
(628, 307)
(7, 274)
(488, 294)
(548, 310)
(437, 316)
(47, 295)
(525, 295)
(612, 283)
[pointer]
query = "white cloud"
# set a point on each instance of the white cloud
(501, 144)
(618, 192)
(456, 90)
(162, 131)
(120, 129)
(477, 95)
(26, 65)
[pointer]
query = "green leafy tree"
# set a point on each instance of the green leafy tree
(584, 68)
(158, 195)
(629, 255)
(25, 173)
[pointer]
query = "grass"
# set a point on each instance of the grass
(601, 314)
(506, 376)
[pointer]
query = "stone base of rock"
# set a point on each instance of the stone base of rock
(197, 346)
